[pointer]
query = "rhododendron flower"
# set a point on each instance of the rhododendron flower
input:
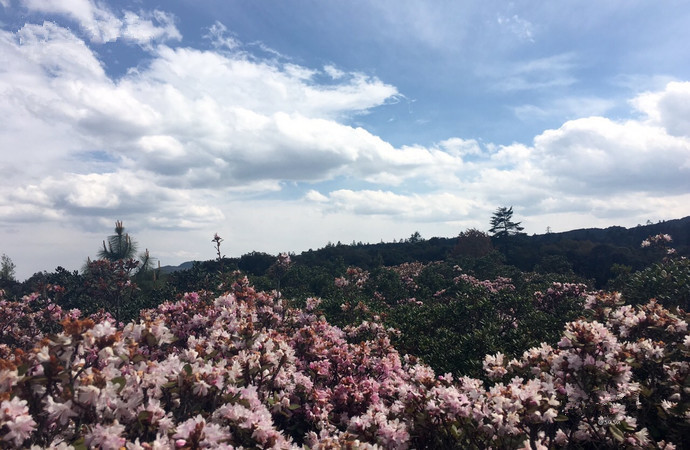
(107, 437)
(19, 429)
(59, 412)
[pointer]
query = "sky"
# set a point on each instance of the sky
(285, 125)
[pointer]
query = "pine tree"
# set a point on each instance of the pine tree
(120, 245)
(502, 224)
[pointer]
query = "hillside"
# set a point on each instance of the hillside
(587, 252)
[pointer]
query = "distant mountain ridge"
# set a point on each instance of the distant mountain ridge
(393, 253)
(679, 229)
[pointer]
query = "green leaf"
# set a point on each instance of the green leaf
(79, 444)
(617, 433)
(187, 369)
(151, 340)
(625, 427)
(454, 431)
(121, 381)
(21, 370)
(293, 407)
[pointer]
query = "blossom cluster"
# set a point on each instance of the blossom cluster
(30, 318)
(492, 286)
(354, 276)
(408, 272)
(659, 241)
(244, 370)
(557, 293)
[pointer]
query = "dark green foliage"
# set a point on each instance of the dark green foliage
(554, 264)
(202, 276)
(473, 243)
(302, 282)
(453, 331)
(256, 263)
(451, 323)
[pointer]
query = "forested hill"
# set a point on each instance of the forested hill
(592, 253)
(679, 229)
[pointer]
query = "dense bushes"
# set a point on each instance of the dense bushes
(530, 360)
(244, 369)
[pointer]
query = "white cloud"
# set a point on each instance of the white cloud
(97, 21)
(416, 207)
(669, 108)
(142, 30)
(218, 35)
(599, 155)
(191, 119)
(461, 147)
(593, 167)
(103, 25)
(333, 72)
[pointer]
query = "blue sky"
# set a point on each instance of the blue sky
(285, 125)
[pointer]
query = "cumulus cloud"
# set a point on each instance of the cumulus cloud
(199, 120)
(669, 108)
(599, 155)
(189, 120)
(591, 166)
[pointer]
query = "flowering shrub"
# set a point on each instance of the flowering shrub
(23, 322)
(245, 370)
(557, 294)
(494, 286)
(354, 276)
(658, 240)
(668, 281)
(408, 272)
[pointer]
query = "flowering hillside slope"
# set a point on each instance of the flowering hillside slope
(245, 371)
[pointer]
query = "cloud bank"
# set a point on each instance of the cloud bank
(192, 138)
